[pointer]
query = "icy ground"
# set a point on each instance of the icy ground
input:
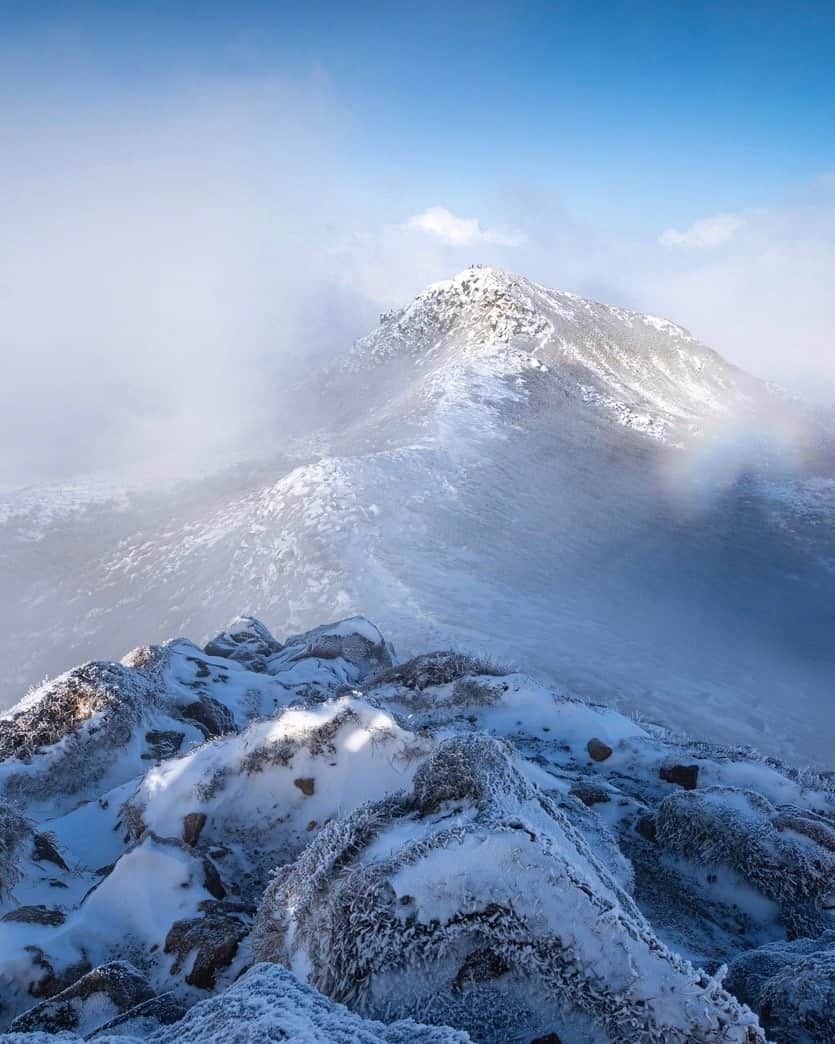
(498, 467)
(310, 840)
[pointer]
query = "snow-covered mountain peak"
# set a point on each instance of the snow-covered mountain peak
(478, 306)
(638, 370)
(502, 305)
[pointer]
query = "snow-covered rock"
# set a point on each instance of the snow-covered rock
(791, 986)
(266, 1005)
(94, 999)
(474, 901)
(449, 845)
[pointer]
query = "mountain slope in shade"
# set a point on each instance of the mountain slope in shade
(577, 487)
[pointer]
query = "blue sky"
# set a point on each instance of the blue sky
(629, 112)
(208, 190)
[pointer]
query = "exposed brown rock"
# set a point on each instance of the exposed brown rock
(215, 937)
(193, 823)
(211, 880)
(646, 828)
(598, 750)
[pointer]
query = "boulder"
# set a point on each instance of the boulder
(598, 750)
(94, 999)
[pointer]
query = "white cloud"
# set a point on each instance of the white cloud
(456, 231)
(703, 234)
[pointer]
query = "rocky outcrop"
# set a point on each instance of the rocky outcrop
(791, 986)
(246, 641)
(75, 728)
(437, 901)
(212, 939)
(445, 840)
(210, 716)
(92, 1000)
(787, 854)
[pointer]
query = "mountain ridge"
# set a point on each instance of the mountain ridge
(488, 488)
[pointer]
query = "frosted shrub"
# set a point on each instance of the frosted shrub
(15, 829)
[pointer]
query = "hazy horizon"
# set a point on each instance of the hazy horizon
(189, 205)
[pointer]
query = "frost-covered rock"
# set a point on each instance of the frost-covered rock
(94, 999)
(788, 854)
(791, 986)
(266, 1005)
(70, 733)
(15, 834)
(351, 649)
(473, 901)
(450, 844)
(144, 1018)
(245, 640)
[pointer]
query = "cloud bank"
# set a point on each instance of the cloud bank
(703, 234)
(164, 266)
(456, 231)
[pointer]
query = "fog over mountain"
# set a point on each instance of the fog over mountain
(497, 466)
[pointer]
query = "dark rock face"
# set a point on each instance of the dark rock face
(163, 743)
(44, 850)
(118, 981)
(210, 715)
(36, 915)
(598, 750)
(645, 826)
(686, 776)
(306, 784)
(193, 823)
(215, 937)
(212, 881)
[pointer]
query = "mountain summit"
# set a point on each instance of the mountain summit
(497, 465)
(648, 372)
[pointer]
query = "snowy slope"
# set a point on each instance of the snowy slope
(577, 487)
(240, 839)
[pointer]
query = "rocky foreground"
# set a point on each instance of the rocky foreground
(308, 841)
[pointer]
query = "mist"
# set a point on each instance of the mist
(159, 268)
(171, 263)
